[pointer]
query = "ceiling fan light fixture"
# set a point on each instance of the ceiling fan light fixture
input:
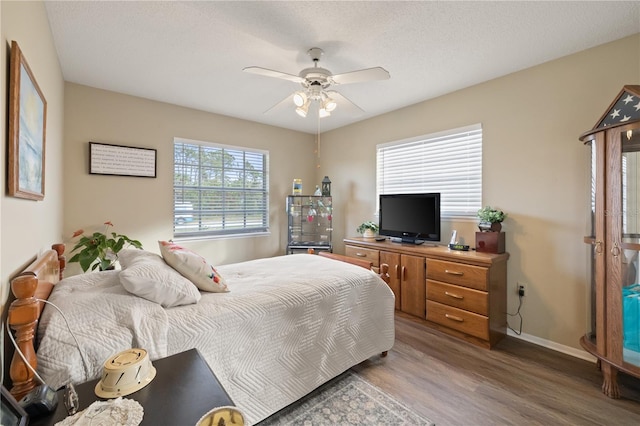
(299, 98)
(303, 109)
(329, 104)
(316, 81)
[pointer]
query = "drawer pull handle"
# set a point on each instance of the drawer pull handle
(455, 296)
(361, 255)
(454, 272)
(454, 318)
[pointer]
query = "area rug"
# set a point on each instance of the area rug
(347, 400)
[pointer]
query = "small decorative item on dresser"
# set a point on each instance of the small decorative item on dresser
(368, 229)
(490, 219)
(326, 187)
(490, 239)
(490, 242)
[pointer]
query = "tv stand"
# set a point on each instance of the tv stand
(461, 293)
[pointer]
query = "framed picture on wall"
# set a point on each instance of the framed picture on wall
(27, 129)
(119, 160)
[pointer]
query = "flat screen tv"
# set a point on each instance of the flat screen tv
(410, 218)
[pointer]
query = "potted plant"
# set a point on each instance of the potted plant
(99, 250)
(490, 219)
(367, 229)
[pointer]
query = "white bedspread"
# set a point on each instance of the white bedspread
(288, 324)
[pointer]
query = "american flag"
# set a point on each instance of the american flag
(626, 109)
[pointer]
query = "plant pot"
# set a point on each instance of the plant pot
(490, 227)
(368, 234)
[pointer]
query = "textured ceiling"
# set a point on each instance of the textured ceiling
(192, 53)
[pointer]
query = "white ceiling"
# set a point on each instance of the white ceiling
(192, 53)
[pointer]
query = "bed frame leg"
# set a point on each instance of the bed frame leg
(23, 316)
(384, 354)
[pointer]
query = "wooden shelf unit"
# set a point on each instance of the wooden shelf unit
(461, 293)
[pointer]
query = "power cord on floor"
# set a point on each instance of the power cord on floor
(517, 314)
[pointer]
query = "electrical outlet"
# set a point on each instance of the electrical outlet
(521, 289)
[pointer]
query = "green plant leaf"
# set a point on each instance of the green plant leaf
(99, 250)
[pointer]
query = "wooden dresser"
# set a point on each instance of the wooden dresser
(461, 293)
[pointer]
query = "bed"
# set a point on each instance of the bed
(287, 325)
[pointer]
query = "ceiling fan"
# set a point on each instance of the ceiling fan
(316, 81)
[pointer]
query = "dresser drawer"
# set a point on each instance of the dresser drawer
(458, 273)
(363, 253)
(457, 319)
(459, 297)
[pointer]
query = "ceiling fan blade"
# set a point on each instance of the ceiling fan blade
(369, 74)
(271, 73)
(343, 101)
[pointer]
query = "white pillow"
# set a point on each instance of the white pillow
(146, 275)
(193, 266)
(127, 256)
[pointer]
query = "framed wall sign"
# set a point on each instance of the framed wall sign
(27, 129)
(118, 160)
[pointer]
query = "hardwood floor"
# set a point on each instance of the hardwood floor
(518, 383)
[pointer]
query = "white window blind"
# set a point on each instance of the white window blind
(219, 189)
(448, 162)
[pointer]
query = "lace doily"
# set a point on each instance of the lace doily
(119, 411)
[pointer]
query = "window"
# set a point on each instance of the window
(448, 162)
(219, 189)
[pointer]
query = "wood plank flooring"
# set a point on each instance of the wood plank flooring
(518, 383)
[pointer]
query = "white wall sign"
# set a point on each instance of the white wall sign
(106, 159)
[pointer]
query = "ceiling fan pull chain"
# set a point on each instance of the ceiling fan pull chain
(318, 144)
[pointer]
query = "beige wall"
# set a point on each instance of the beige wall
(142, 208)
(28, 227)
(534, 168)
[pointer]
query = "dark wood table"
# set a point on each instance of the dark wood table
(183, 390)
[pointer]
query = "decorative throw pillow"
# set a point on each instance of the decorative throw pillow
(193, 266)
(146, 275)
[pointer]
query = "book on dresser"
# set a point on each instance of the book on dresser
(461, 293)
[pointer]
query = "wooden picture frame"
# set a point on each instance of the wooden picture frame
(119, 160)
(27, 130)
(12, 414)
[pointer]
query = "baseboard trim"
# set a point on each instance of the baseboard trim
(578, 353)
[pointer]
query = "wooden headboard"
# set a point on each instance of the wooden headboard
(35, 282)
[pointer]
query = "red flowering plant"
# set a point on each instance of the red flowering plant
(100, 250)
